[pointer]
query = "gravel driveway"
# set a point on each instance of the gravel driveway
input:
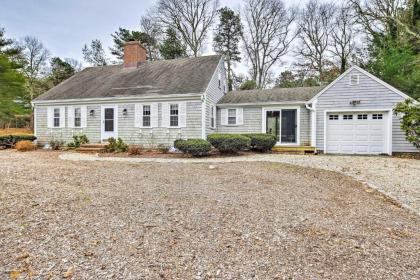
(243, 220)
(398, 178)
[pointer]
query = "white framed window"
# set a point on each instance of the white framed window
(146, 115)
(354, 79)
(377, 116)
(347, 117)
(77, 117)
(362, 116)
(173, 115)
(232, 116)
(333, 117)
(213, 117)
(56, 117)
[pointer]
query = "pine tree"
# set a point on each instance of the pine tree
(94, 53)
(172, 46)
(226, 41)
(60, 70)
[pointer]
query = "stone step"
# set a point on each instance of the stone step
(294, 149)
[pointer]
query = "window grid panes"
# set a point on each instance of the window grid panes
(333, 117)
(174, 115)
(347, 117)
(56, 117)
(362, 117)
(377, 116)
(77, 117)
(232, 116)
(146, 115)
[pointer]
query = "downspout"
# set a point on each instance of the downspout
(313, 122)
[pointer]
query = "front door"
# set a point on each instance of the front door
(109, 122)
(288, 126)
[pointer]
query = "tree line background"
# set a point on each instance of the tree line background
(322, 39)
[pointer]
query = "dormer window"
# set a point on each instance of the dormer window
(354, 79)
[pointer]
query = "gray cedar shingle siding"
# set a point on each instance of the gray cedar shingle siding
(301, 94)
(372, 95)
(126, 129)
(178, 76)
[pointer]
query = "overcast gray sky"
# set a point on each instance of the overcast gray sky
(65, 26)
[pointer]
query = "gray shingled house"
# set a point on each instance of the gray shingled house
(153, 103)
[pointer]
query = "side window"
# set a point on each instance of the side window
(333, 117)
(362, 117)
(231, 116)
(77, 117)
(220, 80)
(56, 117)
(377, 116)
(174, 115)
(347, 117)
(146, 115)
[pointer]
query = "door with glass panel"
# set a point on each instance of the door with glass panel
(288, 130)
(109, 122)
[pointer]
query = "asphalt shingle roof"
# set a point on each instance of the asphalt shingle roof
(177, 76)
(299, 94)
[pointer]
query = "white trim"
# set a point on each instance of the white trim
(103, 120)
(35, 117)
(163, 98)
(388, 128)
(264, 122)
(400, 93)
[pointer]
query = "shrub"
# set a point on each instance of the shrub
(195, 147)
(229, 143)
(78, 140)
(25, 145)
(56, 144)
(9, 141)
(163, 148)
(116, 145)
(262, 142)
(410, 121)
(135, 150)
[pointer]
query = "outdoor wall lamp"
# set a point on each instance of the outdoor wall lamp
(125, 112)
(92, 113)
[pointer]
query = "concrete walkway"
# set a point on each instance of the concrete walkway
(397, 178)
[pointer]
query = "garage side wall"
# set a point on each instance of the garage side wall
(371, 94)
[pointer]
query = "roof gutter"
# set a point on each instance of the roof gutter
(261, 103)
(185, 96)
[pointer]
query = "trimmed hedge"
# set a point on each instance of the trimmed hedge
(229, 143)
(9, 141)
(195, 147)
(262, 142)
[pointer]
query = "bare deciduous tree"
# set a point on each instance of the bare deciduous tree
(343, 36)
(267, 35)
(315, 28)
(35, 64)
(382, 16)
(191, 18)
(150, 26)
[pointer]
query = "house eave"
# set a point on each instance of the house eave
(161, 98)
(261, 103)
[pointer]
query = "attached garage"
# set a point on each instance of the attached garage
(364, 132)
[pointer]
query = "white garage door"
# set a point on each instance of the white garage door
(356, 133)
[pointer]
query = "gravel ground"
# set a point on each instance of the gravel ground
(397, 178)
(243, 220)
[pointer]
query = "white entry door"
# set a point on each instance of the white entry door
(356, 133)
(109, 118)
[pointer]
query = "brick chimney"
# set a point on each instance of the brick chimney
(134, 54)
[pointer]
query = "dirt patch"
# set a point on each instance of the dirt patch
(188, 221)
(16, 131)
